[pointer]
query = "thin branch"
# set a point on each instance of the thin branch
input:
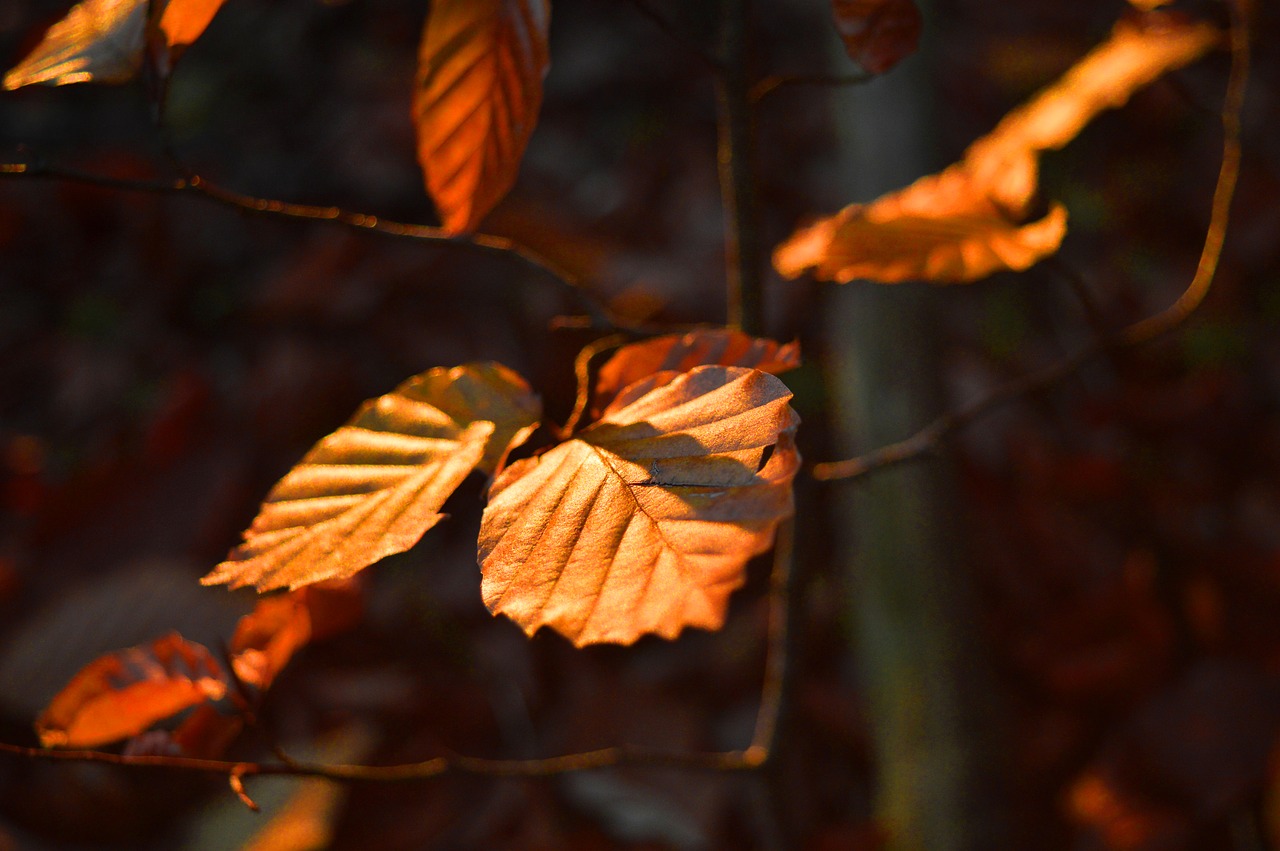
(778, 667)
(769, 85)
(744, 283)
(928, 439)
(717, 761)
(671, 31)
(483, 244)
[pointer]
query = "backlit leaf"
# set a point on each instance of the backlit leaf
(942, 228)
(479, 88)
(103, 41)
(877, 34)
(376, 485)
(682, 352)
(974, 218)
(645, 521)
(123, 693)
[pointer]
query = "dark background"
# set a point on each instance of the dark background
(163, 360)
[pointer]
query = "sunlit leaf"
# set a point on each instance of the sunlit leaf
(975, 217)
(942, 228)
(479, 88)
(123, 693)
(104, 41)
(682, 352)
(877, 34)
(376, 485)
(266, 638)
(644, 522)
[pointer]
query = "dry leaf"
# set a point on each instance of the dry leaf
(645, 521)
(682, 352)
(971, 220)
(123, 693)
(103, 41)
(878, 34)
(942, 228)
(479, 88)
(266, 638)
(376, 485)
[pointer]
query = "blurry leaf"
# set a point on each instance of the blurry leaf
(123, 693)
(681, 353)
(376, 485)
(1136, 54)
(645, 521)
(972, 219)
(266, 638)
(942, 228)
(103, 41)
(877, 34)
(479, 88)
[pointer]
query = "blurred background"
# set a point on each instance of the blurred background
(1115, 541)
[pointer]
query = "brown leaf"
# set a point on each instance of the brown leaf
(970, 220)
(103, 41)
(376, 485)
(645, 521)
(682, 352)
(878, 34)
(123, 693)
(479, 88)
(266, 638)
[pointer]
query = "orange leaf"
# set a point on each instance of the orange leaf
(266, 638)
(970, 220)
(123, 693)
(376, 485)
(877, 34)
(942, 228)
(681, 353)
(645, 521)
(479, 88)
(103, 41)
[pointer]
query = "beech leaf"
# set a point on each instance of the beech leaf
(125, 692)
(682, 352)
(376, 485)
(479, 88)
(973, 218)
(645, 521)
(104, 41)
(878, 34)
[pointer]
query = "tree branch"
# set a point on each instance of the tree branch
(930, 438)
(482, 244)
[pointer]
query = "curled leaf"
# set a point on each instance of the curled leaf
(479, 89)
(682, 352)
(123, 693)
(645, 521)
(376, 485)
(975, 217)
(878, 34)
(104, 41)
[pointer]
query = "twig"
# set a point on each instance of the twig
(769, 85)
(930, 438)
(744, 285)
(718, 761)
(778, 667)
(483, 244)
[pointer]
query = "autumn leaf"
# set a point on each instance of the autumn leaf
(279, 626)
(376, 485)
(104, 41)
(479, 88)
(877, 34)
(974, 218)
(645, 521)
(125, 692)
(682, 352)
